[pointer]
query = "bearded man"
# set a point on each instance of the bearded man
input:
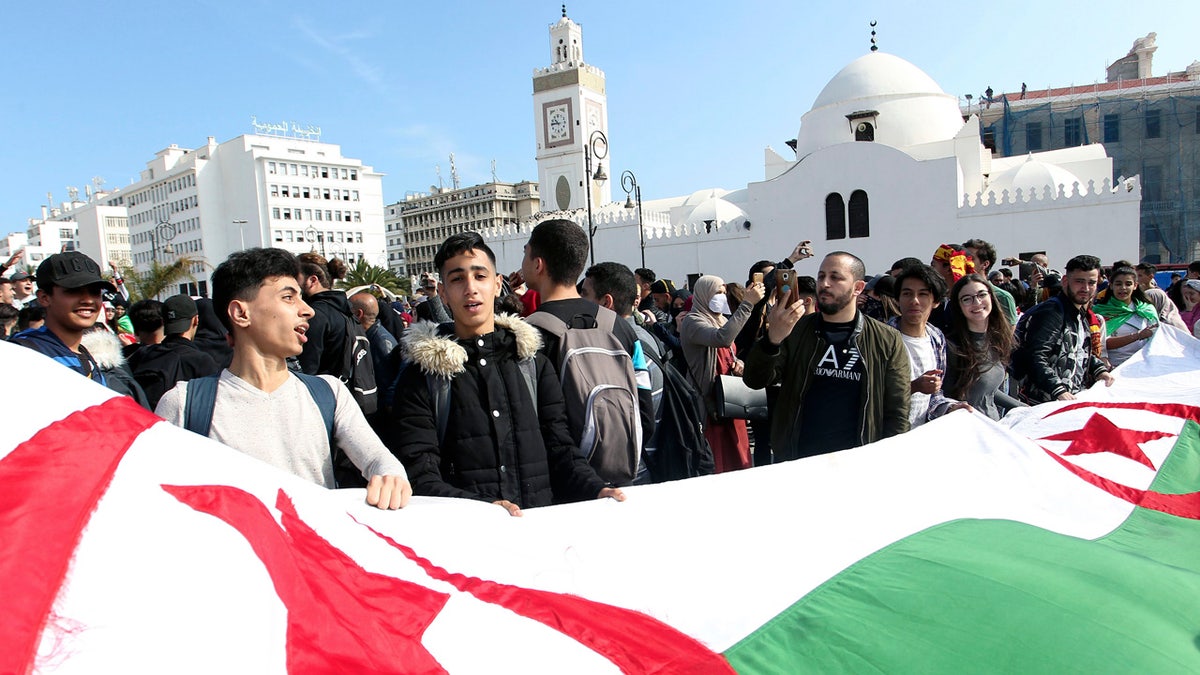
(846, 374)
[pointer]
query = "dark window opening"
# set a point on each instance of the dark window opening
(1153, 124)
(1112, 128)
(1073, 132)
(1033, 136)
(989, 137)
(835, 216)
(864, 131)
(860, 217)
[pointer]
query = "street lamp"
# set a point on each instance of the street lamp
(241, 232)
(314, 236)
(597, 146)
(163, 232)
(630, 185)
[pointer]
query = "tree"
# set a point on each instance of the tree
(160, 278)
(364, 274)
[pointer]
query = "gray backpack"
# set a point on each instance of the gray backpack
(601, 396)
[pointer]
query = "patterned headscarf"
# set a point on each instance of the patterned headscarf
(960, 263)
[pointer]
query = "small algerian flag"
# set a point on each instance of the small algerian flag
(1064, 540)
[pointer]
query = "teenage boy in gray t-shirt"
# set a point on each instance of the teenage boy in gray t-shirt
(264, 410)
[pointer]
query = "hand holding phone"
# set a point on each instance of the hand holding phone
(786, 291)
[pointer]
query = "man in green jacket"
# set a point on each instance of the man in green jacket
(844, 376)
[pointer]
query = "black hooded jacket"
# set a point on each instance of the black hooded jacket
(498, 445)
(324, 352)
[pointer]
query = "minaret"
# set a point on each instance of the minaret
(569, 106)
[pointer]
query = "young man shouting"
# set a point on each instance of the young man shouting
(263, 409)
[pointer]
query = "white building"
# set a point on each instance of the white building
(885, 167)
(254, 190)
(393, 223)
(428, 219)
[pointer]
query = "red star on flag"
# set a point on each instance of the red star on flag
(1101, 435)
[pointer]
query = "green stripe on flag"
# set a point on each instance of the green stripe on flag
(996, 595)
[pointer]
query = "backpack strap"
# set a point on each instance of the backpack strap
(201, 399)
(529, 374)
(606, 319)
(324, 397)
(547, 322)
(439, 396)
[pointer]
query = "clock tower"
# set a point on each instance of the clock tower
(569, 105)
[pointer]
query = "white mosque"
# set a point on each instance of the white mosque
(885, 167)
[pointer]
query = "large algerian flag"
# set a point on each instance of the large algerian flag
(1066, 540)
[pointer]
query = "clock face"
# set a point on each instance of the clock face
(593, 118)
(562, 193)
(558, 124)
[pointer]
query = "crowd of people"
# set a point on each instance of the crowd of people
(562, 382)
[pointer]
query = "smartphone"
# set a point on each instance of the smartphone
(785, 287)
(758, 277)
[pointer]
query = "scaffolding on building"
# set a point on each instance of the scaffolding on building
(1150, 128)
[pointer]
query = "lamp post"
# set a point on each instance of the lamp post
(313, 235)
(241, 232)
(630, 185)
(597, 146)
(163, 232)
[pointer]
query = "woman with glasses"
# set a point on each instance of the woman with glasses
(979, 344)
(1130, 319)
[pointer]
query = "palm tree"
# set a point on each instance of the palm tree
(160, 278)
(364, 274)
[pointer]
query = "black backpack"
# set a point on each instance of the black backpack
(678, 448)
(358, 369)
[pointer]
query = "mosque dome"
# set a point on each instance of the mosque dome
(1031, 176)
(881, 98)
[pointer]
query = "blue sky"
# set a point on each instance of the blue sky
(695, 90)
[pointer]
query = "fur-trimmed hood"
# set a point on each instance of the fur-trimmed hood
(105, 347)
(436, 350)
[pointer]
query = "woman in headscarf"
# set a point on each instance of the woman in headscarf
(707, 335)
(1130, 319)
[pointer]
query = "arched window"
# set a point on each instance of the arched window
(860, 215)
(835, 216)
(864, 131)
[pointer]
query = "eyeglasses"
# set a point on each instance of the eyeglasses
(973, 299)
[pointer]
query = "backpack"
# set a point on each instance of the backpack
(600, 393)
(202, 399)
(678, 448)
(358, 368)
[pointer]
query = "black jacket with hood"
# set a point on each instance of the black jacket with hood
(324, 352)
(497, 444)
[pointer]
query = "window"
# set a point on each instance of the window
(324, 172)
(296, 191)
(1073, 131)
(358, 216)
(1153, 124)
(989, 137)
(294, 170)
(303, 169)
(1198, 120)
(325, 193)
(860, 217)
(358, 237)
(1112, 128)
(306, 193)
(353, 174)
(835, 216)
(289, 236)
(1152, 183)
(318, 214)
(284, 191)
(271, 168)
(345, 174)
(1033, 136)
(287, 214)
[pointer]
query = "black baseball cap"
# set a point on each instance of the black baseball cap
(177, 312)
(71, 269)
(20, 276)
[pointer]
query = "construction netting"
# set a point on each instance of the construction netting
(1152, 132)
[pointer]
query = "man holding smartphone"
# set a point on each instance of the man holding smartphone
(844, 376)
